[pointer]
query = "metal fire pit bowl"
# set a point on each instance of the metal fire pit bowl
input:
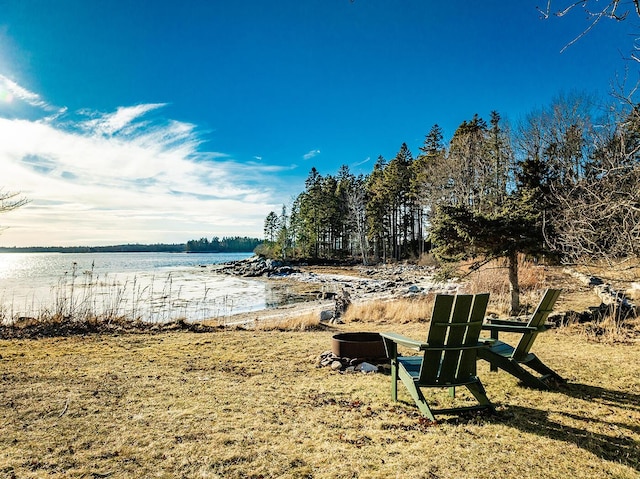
(358, 345)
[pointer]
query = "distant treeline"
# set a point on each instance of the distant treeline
(216, 245)
(123, 248)
(235, 244)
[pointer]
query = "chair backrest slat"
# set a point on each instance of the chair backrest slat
(455, 323)
(467, 366)
(538, 319)
(437, 336)
(461, 315)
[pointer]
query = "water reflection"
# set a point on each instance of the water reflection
(155, 287)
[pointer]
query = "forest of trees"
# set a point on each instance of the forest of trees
(234, 244)
(563, 182)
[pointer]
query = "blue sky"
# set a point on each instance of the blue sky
(164, 121)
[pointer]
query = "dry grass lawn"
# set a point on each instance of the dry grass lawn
(253, 404)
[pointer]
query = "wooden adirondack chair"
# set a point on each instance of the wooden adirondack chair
(502, 355)
(449, 354)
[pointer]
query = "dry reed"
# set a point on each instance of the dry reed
(405, 310)
(88, 298)
(493, 278)
(303, 322)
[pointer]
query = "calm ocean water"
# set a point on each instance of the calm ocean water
(152, 286)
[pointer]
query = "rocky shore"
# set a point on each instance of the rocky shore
(327, 281)
(321, 288)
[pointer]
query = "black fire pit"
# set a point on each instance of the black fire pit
(358, 345)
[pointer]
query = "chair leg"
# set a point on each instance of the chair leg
(478, 391)
(513, 368)
(394, 379)
(416, 394)
(421, 402)
(493, 367)
(538, 366)
(392, 352)
(525, 376)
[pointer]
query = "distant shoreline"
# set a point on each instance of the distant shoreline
(127, 248)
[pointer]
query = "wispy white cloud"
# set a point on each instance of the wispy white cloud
(311, 154)
(128, 175)
(265, 168)
(360, 163)
(10, 91)
(122, 120)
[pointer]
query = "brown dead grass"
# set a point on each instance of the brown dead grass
(493, 279)
(253, 404)
(534, 279)
(302, 322)
(404, 310)
(620, 274)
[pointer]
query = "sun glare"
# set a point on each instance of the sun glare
(5, 96)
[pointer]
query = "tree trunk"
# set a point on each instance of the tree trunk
(514, 287)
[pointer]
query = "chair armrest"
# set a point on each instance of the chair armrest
(404, 341)
(511, 328)
(506, 322)
(478, 345)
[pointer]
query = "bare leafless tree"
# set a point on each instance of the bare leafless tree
(616, 10)
(10, 200)
(597, 216)
(357, 207)
(599, 219)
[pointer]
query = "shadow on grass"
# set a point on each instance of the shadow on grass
(607, 397)
(616, 445)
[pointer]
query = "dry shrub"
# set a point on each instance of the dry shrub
(428, 259)
(404, 310)
(608, 331)
(633, 294)
(613, 326)
(493, 278)
(304, 322)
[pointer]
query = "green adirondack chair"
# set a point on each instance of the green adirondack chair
(449, 354)
(512, 359)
